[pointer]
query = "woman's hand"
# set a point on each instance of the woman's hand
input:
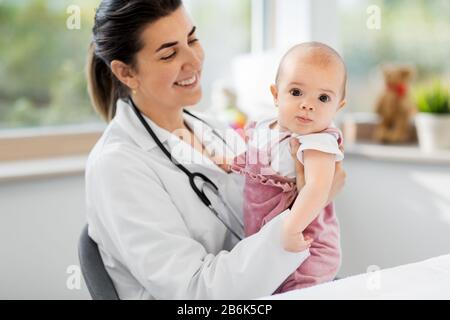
(339, 174)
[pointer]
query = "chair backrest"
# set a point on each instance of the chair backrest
(98, 282)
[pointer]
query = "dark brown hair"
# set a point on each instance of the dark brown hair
(116, 36)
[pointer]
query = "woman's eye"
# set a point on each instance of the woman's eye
(324, 98)
(192, 41)
(295, 92)
(169, 56)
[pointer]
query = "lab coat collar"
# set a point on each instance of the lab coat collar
(128, 120)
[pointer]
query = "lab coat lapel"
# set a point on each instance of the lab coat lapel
(180, 151)
(127, 119)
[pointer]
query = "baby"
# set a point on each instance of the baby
(309, 90)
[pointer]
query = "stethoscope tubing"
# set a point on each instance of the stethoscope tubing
(189, 174)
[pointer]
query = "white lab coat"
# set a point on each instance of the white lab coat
(156, 238)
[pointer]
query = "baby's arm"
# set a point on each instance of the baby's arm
(319, 172)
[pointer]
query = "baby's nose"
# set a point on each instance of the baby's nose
(307, 108)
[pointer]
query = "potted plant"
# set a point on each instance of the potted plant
(433, 119)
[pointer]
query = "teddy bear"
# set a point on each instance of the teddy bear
(394, 107)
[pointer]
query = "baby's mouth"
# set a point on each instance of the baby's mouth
(303, 119)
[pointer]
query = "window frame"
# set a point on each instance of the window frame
(294, 21)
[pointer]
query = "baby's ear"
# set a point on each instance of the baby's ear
(342, 104)
(274, 91)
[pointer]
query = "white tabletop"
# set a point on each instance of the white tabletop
(429, 279)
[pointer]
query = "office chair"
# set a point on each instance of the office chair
(98, 282)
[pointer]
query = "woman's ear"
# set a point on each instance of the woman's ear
(274, 91)
(124, 73)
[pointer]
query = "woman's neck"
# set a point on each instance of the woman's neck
(166, 118)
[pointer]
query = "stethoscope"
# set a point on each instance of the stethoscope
(207, 183)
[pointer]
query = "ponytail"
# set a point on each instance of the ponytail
(103, 88)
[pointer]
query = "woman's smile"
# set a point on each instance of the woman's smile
(188, 83)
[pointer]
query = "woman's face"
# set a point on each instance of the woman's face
(170, 64)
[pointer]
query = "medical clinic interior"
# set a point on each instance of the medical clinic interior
(393, 210)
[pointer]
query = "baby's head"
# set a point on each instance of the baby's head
(309, 88)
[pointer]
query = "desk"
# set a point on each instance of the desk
(429, 279)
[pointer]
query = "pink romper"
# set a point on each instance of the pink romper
(267, 194)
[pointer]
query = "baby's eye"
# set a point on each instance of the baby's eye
(295, 92)
(324, 98)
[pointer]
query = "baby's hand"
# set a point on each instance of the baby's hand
(292, 238)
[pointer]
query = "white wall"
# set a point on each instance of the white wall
(40, 221)
(393, 213)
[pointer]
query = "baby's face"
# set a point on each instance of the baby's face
(308, 95)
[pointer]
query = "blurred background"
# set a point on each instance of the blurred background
(395, 208)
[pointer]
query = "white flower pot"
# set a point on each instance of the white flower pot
(433, 131)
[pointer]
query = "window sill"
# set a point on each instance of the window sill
(42, 168)
(398, 153)
(44, 143)
(358, 130)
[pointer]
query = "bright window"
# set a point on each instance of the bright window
(42, 61)
(415, 32)
(224, 29)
